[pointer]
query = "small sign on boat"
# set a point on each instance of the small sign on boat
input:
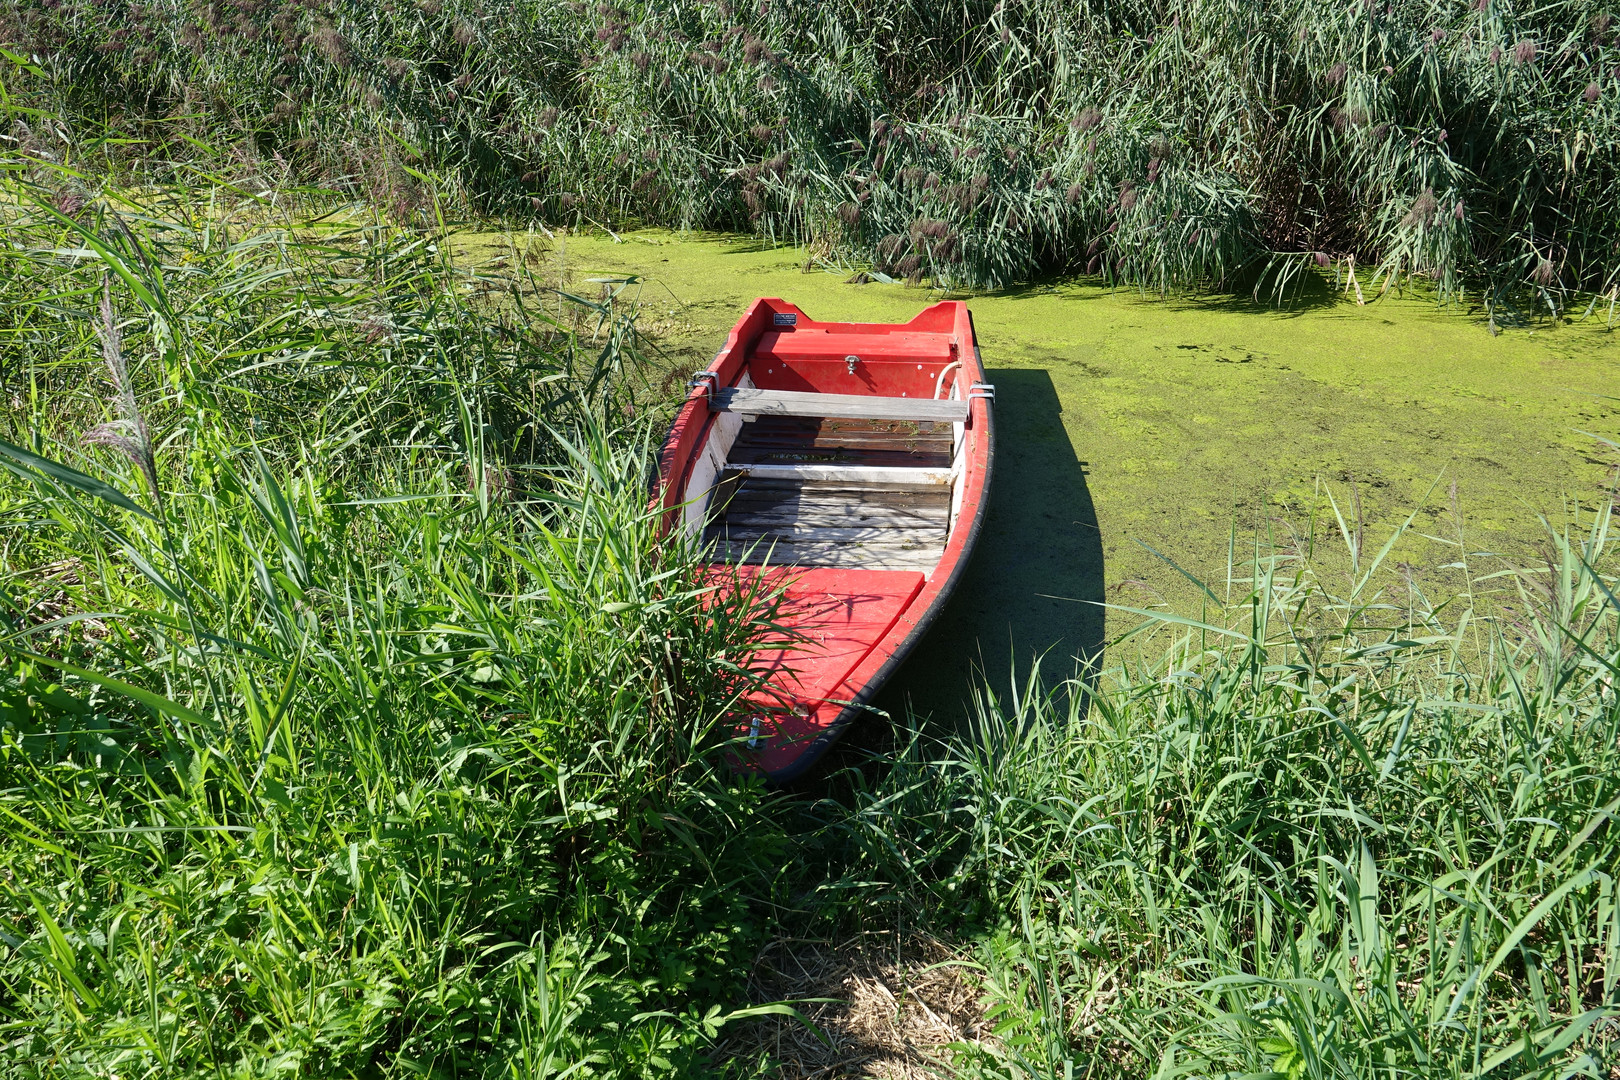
(784, 318)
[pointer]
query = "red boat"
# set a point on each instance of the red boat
(850, 464)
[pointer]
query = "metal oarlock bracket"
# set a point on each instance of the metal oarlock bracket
(705, 378)
(982, 390)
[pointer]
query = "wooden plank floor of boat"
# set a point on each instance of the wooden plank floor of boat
(841, 523)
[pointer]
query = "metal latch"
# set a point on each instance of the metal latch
(982, 390)
(850, 362)
(705, 378)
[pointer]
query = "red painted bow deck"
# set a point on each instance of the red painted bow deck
(850, 464)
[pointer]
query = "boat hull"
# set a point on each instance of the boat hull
(865, 523)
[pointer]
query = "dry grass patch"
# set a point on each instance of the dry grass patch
(885, 1010)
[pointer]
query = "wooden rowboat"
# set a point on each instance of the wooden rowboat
(850, 462)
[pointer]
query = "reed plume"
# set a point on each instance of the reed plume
(128, 434)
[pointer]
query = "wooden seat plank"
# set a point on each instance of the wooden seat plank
(747, 401)
(915, 535)
(832, 489)
(837, 516)
(852, 474)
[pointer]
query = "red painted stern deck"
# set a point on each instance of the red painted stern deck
(837, 617)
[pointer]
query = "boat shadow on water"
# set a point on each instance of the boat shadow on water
(1040, 542)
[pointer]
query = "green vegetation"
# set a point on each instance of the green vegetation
(1187, 143)
(1311, 838)
(355, 722)
(352, 718)
(1128, 423)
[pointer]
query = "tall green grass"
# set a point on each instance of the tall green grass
(1330, 831)
(351, 721)
(1189, 143)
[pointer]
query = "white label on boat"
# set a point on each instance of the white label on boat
(784, 318)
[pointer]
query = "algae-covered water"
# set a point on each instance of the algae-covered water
(1127, 422)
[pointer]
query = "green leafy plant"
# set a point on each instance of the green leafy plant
(352, 718)
(1290, 1061)
(1296, 840)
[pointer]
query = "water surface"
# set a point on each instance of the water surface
(1129, 425)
